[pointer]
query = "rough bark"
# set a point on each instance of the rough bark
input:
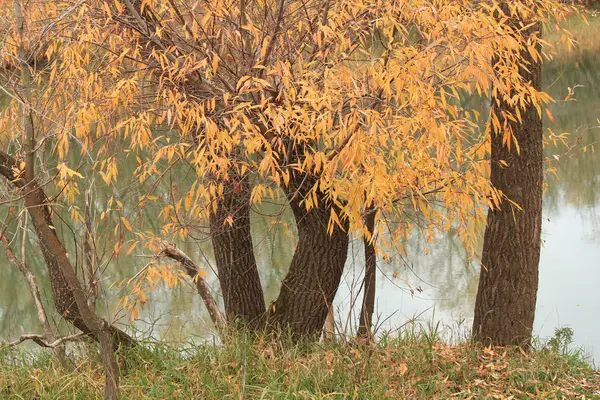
(192, 269)
(368, 303)
(309, 288)
(234, 255)
(506, 297)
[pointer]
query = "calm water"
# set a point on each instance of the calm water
(443, 282)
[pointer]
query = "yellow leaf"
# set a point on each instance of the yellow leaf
(119, 7)
(403, 369)
(549, 114)
(127, 224)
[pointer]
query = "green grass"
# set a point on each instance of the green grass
(413, 366)
(585, 29)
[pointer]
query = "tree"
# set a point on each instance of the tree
(368, 304)
(340, 107)
(234, 254)
(309, 288)
(508, 283)
(333, 108)
(69, 297)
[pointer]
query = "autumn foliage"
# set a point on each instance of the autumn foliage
(344, 106)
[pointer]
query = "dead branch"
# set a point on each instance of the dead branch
(192, 269)
(40, 339)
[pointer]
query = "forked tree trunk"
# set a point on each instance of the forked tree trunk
(234, 254)
(309, 287)
(368, 304)
(508, 283)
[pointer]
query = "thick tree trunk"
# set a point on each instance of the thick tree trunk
(368, 303)
(309, 288)
(508, 283)
(234, 254)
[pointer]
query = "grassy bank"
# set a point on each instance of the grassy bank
(414, 366)
(585, 30)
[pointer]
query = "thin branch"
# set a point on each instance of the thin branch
(278, 23)
(26, 80)
(143, 24)
(35, 292)
(40, 339)
(204, 290)
(61, 17)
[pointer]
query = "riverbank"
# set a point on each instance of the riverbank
(413, 367)
(584, 29)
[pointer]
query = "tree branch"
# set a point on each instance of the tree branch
(192, 269)
(35, 293)
(40, 339)
(271, 46)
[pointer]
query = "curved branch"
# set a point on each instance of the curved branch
(193, 270)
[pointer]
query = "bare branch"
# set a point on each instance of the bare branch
(192, 269)
(40, 339)
(35, 293)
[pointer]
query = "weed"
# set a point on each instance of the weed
(412, 364)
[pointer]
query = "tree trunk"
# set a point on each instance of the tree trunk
(508, 283)
(309, 288)
(234, 254)
(59, 350)
(329, 328)
(68, 294)
(368, 304)
(55, 255)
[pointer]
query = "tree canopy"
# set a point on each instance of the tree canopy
(361, 100)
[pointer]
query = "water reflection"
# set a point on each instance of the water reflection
(443, 282)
